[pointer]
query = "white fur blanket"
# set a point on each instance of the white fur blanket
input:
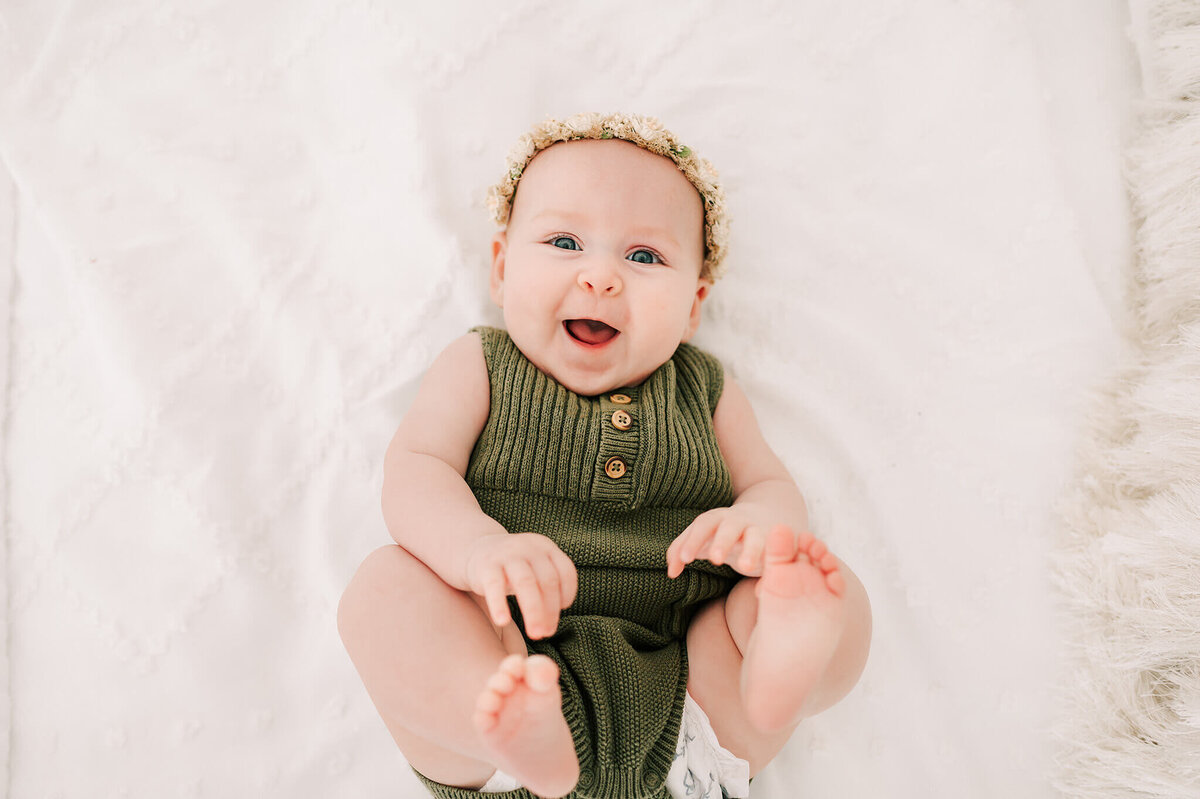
(1129, 564)
(235, 235)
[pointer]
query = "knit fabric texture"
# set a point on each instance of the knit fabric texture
(544, 464)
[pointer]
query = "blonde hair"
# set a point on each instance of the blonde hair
(647, 133)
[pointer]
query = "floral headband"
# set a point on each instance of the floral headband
(647, 133)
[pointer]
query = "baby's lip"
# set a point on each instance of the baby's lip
(590, 332)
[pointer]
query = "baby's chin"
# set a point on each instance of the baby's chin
(591, 384)
(588, 374)
(588, 386)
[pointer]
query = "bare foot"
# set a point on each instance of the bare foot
(519, 717)
(800, 621)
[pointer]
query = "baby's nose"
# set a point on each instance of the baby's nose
(601, 281)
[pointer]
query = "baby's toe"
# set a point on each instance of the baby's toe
(541, 673)
(836, 583)
(488, 702)
(485, 721)
(514, 666)
(502, 682)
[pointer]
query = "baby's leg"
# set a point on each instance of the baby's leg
(444, 680)
(778, 648)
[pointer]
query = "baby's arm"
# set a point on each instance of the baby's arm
(764, 495)
(431, 512)
(427, 506)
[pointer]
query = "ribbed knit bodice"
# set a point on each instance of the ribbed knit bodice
(541, 438)
(544, 463)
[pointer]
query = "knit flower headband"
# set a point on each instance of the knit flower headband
(647, 133)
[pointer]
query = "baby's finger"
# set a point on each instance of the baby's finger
(673, 557)
(494, 592)
(781, 544)
(728, 534)
(568, 578)
(689, 543)
(550, 585)
(524, 584)
(693, 536)
(751, 560)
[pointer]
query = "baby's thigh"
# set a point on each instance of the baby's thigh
(398, 614)
(424, 651)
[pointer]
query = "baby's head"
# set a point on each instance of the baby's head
(647, 133)
(610, 247)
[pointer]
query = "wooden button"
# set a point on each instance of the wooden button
(615, 468)
(621, 420)
(621, 399)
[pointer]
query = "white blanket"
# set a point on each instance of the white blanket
(236, 234)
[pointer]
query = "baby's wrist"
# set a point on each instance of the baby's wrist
(474, 547)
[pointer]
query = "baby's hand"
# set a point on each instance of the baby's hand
(532, 567)
(731, 535)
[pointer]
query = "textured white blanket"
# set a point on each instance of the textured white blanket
(236, 233)
(1129, 564)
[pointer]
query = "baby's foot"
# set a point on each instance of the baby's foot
(800, 620)
(519, 717)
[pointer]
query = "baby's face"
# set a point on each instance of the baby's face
(598, 272)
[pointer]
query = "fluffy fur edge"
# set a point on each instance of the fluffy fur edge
(1128, 564)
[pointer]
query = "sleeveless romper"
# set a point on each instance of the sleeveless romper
(612, 480)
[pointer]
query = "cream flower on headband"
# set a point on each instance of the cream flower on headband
(647, 133)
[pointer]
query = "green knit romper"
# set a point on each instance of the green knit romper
(612, 480)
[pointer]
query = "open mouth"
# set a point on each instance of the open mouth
(590, 331)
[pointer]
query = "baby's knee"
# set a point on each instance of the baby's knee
(381, 573)
(384, 562)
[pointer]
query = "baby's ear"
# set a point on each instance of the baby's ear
(702, 287)
(499, 253)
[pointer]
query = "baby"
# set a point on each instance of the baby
(604, 584)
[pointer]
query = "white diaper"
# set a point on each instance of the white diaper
(703, 769)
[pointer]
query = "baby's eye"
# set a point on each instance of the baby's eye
(644, 257)
(564, 243)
